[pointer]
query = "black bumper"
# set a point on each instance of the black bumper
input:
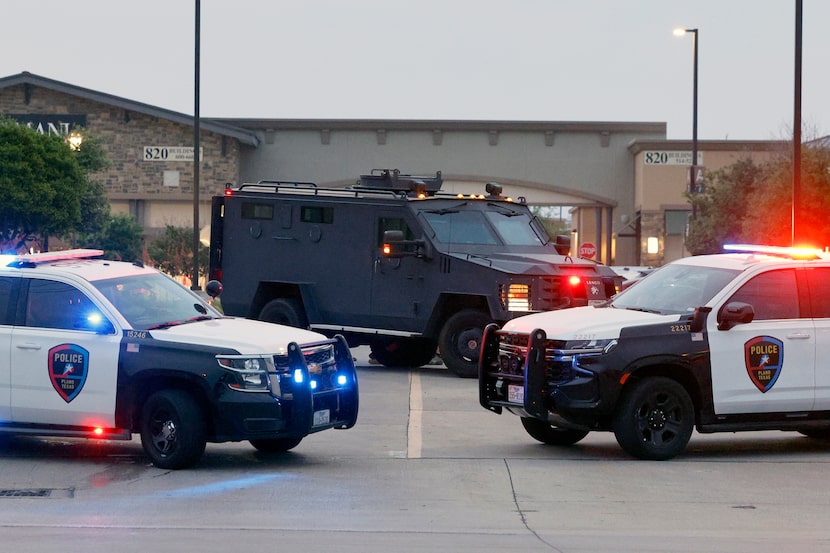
(524, 384)
(302, 411)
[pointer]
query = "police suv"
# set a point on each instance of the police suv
(723, 343)
(101, 349)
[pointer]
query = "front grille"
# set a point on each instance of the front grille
(322, 369)
(513, 354)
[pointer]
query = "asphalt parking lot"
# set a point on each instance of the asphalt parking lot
(424, 469)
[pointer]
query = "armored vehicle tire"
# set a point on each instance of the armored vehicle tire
(552, 435)
(460, 341)
(173, 430)
(284, 311)
(654, 419)
(403, 352)
(277, 445)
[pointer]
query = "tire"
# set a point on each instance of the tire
(173, 429)
(552, 435)
(277, 445)
(403, 352)
(284, 311)
(655, 419)
(460, 341)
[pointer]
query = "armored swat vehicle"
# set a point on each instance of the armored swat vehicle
(394, 263)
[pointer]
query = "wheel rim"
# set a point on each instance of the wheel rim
(468, 342)
(660, 419)
(163, 433)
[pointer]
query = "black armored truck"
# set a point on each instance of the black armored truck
(394, 263)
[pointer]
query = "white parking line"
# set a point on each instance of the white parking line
(416, 412)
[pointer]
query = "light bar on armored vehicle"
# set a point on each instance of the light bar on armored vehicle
(780, 251)
(32, 259)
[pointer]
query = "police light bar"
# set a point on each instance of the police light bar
(44, 257)
(782, 251)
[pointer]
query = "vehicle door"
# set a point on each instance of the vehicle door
(8, 291)
(818, 280)
(767, 365)
(64, 357)
(397, 283)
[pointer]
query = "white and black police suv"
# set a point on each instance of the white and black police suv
(723, 343)
(102, 349)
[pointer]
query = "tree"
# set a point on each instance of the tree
(120, 238)
(722, 206)
(172, 252)
(95, 208)
(752, 203)
(42, 185)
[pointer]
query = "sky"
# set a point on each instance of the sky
(520, 60)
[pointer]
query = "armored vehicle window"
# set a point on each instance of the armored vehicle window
(460, 227)
(324, 215)
(514, 228)
(257, 211)
(773, 295)
(393, 223)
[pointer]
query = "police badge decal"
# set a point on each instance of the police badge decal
(764, 357)
(68, 364)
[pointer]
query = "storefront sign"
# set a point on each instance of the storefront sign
(57, 125)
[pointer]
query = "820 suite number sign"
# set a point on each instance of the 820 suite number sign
(171, 153)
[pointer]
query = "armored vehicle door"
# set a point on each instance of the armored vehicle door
(398, 285)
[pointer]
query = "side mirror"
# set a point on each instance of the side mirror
(213, 289)
(394, 246)
(562, 244)
(735, 313)
(699, 319)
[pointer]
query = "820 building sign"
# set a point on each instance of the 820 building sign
(171, 153)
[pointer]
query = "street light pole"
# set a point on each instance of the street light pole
(693, 168)
(194, 285)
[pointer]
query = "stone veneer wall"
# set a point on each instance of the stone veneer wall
(124, 134)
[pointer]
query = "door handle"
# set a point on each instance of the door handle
(798, 336)
(29, 345)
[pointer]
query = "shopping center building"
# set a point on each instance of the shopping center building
(622, 182)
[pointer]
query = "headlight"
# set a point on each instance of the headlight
(249, 374)
(516, 297)
(593, 346)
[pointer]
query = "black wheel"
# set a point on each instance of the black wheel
(816, 433)
(655, 419)
(284, 311)
(277, 445)
(403, 352)
(552, 435)
(460, 341)
(173, 430)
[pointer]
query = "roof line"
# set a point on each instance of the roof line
(245, 136)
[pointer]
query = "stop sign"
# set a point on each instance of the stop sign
(587, 250)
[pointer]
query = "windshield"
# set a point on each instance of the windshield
(675, 288)
(505, 226)
(154, 301)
